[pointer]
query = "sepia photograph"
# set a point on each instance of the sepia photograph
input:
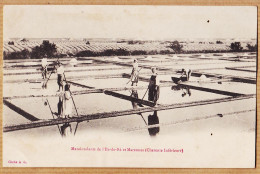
(139, 86)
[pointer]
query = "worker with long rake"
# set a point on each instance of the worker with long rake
(44, 85)
(44, 68)
(60, 76)
(134, 74)
(154, 88)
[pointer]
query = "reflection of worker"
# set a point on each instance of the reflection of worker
(152, 120)
(185, 76)
(134, 94)
(66, 130)
(185, 90)
(60, 105)
(135, 74)
(154, 89)
(44, 68)
(60, 73)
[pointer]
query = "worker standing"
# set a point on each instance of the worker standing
(60, 78)
(135, 74)
(67, 101)
(154, 88)
(44, 68)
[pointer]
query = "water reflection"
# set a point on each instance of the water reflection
(66, 130)
(152, 120)
(185, 90)
(134, 94)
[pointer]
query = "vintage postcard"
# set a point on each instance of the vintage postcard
(129, 86)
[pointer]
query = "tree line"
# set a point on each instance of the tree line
(49, 50)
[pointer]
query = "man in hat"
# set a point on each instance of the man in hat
(135, 74)
(154, 88)
(60, 73)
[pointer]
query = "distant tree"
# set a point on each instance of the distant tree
(46, 49)
(138, 52)
(24, 40)
(236, 46)
(252, 48)
(219, 42)
(176, 46)
(11, 43)
(87, 43)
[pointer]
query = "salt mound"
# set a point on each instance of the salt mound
(175, 56)
(115, 58)
(149, 58)
(203, 78)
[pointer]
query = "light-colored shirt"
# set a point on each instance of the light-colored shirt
(44, 62)
(60, 70)
(135, 66)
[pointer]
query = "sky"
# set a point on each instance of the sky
(139, 22)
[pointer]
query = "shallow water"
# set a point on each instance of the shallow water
(202, 129)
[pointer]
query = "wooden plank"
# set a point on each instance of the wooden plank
(51, 122)
(129, 98)
(216, 91)
(89, 91)
(76, 70)
(238, 69)
(20, 111)
(80, 85)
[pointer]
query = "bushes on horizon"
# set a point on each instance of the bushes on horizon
(115, 52)
(138, 52)
(236, 46)
(87, 53)
(219, 42)
(46, 49)
(251, 47)
(11, 43)
(165, 52)
(131, 42)
(24, 54)
(176, 46)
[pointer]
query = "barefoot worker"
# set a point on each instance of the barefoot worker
(154, 89)
(135, 73)
(44, 68)
(67, 101)
(60, 79)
